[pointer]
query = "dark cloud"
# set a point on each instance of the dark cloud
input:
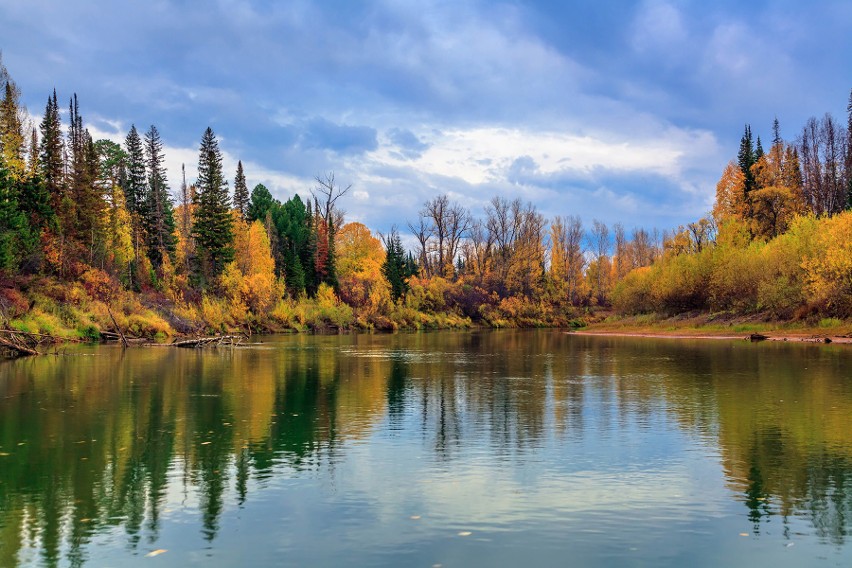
(319, 133)
(409, 146)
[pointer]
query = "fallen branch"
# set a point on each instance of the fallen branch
(205, 341)
(115, 323)
(17, 348)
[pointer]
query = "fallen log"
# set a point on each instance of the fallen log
(17, 348)
(215, 341)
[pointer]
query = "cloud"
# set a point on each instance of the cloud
(319, 133)
(409, 146)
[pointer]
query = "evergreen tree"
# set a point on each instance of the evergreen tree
(50, 157)
(136, 185)
(11, 133)
(746, 158)
(776, 133)
(158, 212)
(758, 152)
(241, 194)
(260, 203)
(212, 227)
(32, 164)
(395, 266)
(15, 235)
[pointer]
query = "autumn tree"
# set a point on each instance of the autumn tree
(329, 219)
(212, 227)
(600, 246)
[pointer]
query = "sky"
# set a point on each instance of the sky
(618, 111)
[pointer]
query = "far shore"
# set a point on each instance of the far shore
(803, 337)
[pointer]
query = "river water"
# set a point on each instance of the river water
(485, 448)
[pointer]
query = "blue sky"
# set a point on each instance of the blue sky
(621, 111)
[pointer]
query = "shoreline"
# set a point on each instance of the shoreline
(804, 337)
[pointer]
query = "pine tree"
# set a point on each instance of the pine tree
(158, 211)
(32, 164)
(260, 204)
(11, 133)
(212, 228)
(776, 133)
(136, 186)
(746, 158)
(50, 157)
(395, 266)
(241, 193)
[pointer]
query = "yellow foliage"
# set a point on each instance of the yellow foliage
(829, 268)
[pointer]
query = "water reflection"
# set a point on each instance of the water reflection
(103, 444)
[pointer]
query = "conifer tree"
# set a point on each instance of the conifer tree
(241, 193)
(32, 155)
(158, 211)
(746, 158)
(212, 227)
(395, 267)
(11, 133)
(136, 185)
(50, 157)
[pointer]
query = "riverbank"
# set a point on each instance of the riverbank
(721, 326)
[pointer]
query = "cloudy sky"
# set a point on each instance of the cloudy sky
(620, 111)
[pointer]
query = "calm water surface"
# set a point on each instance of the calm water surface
(459, 449)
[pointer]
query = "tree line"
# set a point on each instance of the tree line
(99, 212)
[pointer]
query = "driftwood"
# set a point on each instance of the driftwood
(17, 348)
(757, 337)
(215, 341)
(115, 323)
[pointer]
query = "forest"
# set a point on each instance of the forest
(92, 238)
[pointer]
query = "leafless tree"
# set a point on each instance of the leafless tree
(325, 194)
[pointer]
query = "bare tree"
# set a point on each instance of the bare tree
(600, 250)
(423, 233)
(325, 194)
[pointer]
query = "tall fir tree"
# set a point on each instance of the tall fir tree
(213, 224)
(11, 132)
(241, 192)
(746, 158)
(158, 212)
(136, 185)
(32, 154)
(395, 266)
(50, 154)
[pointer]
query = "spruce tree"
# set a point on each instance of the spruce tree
(241, 193)
(50, 159)
(213, 226)
(136, 184)
(11, 132)
(395, 266)
(746, 158)
(158, 211)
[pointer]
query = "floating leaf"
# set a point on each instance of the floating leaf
(465, 533)
(414, 517)
(3, 454)
(157, 552)
(743, 534)
(205, 443)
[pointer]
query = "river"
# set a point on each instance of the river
(483, 448)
